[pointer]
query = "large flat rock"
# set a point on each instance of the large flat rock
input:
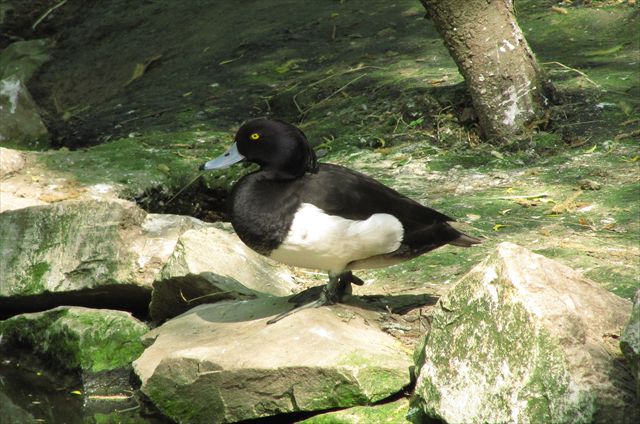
(223, 363)
(80, 245)
(522, 338)
(22, 59)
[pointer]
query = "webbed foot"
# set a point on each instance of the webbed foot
(333, 292)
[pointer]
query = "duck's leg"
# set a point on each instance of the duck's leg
(338, 286)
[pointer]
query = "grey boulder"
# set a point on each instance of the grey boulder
(221, 362)
(522, 338)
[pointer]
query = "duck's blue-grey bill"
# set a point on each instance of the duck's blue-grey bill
(225, 160)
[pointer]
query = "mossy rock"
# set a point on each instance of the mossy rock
(630, 342)
(222, 363)
(20, 122)
(522, 338)
(77, 339)
(60, 247)
(23, 58)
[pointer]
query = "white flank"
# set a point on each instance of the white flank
(320, 241)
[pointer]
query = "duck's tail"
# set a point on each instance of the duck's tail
(465, 241)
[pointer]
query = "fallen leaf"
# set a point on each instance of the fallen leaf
(567, 205)
(625, 107)
(289, 65)
(416, 122)
(504, 212)
(526, 203)
(584, 207)
(141, 68)
(498, 226)
(76, 392)
(438, 81)
(560, 10)
(587, 223)
(605, 52)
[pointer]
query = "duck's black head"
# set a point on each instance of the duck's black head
(281, 149)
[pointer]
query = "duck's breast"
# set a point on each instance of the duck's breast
(318, 240)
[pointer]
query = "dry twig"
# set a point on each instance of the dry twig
(562, 65)
(47, 13)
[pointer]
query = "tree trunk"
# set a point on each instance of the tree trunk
(507, 87)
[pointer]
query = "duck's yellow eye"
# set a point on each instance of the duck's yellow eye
(254, 136)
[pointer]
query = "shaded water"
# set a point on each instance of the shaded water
(29, 396)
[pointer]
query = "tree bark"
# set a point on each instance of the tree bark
(507, 87)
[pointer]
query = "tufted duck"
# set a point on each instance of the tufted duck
(323, 216)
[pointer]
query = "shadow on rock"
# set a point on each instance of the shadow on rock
(268, 307)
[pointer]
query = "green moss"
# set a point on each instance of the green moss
(78, 339)
(193, 408)
(140, 162)
(376, 380)
(390, 413)
(545, 142)
(617, 279)
(630, 340)
(548, 388)
(344, 393)
(34, 278)
(45, 249)
(109, 341)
